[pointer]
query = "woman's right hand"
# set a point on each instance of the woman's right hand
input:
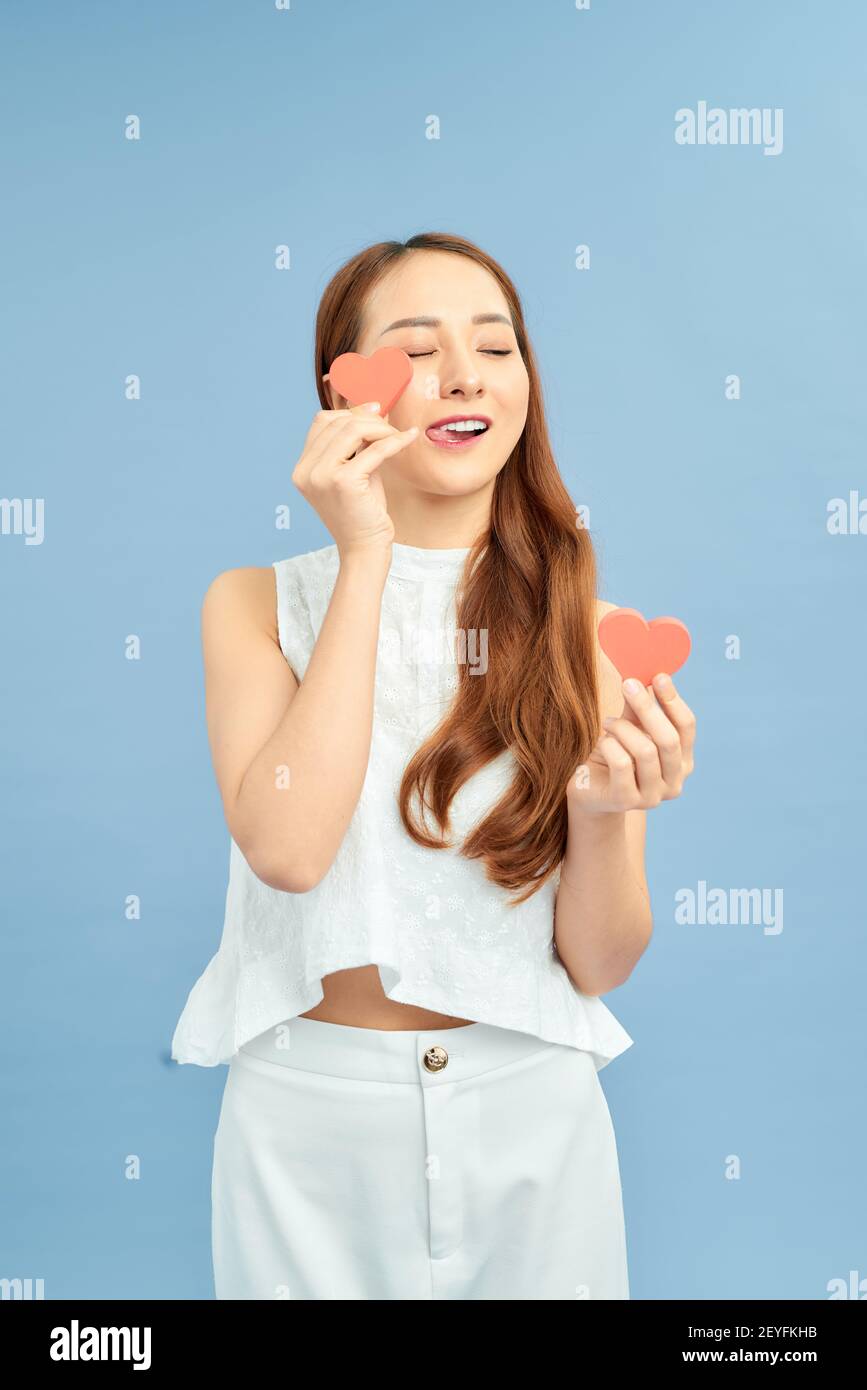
(337, 474)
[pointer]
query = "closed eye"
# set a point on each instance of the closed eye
(493, 352)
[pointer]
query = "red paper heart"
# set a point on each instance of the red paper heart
(640, 648)
(381, 377)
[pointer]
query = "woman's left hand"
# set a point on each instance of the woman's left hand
(645, 756)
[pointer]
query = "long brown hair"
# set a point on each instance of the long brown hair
(531, 581)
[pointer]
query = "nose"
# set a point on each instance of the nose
(459, 374)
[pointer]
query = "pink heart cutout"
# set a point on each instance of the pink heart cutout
(381, 377)
(642, 649)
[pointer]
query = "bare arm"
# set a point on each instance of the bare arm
(602, 917)
(290, 759)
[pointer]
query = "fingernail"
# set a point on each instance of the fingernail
(609, 721)
(371, 405)
(663, 682)
(632, 685)
(413, 429)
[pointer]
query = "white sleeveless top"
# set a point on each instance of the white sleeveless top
(442, 935)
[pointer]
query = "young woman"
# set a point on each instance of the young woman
(437, 862)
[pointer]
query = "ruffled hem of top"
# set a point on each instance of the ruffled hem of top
(209, 1041)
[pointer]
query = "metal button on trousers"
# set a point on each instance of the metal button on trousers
(436, 1058)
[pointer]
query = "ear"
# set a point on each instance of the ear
(335, 401)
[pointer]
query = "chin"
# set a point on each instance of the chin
(452, 478)
(434, 470)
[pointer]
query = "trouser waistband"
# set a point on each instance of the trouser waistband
(433, 1056)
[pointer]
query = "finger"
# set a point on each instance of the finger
(340, 440)
(622, 786)
(649, 775)
(369, 458)
(322, 427)
(347, 443)
(368, 408)
(678, 711)
(664, 733)
(325, 420)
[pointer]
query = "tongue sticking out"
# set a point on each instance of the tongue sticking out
(441, 434)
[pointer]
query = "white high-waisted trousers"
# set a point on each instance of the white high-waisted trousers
(464, 1163)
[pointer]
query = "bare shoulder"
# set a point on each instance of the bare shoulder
(242, 598)
(610, 691)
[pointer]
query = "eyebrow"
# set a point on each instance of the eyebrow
(425, 321)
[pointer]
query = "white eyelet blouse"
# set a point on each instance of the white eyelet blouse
(441, 934)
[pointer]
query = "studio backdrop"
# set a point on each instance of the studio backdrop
(677, 190)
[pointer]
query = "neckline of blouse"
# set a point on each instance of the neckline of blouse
(421, 562)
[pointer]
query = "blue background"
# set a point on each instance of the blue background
(156, 257)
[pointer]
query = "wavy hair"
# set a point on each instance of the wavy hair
(531, 581)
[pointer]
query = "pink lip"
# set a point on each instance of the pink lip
(457, 441)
